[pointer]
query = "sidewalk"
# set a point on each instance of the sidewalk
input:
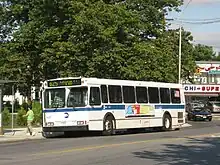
(216, 116)
(19, 134)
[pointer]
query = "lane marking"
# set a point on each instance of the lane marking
(52, 152)
(101, 146)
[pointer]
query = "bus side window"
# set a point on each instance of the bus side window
(141, 93)
(115, 95)
(153, 95)
(128, 94)
(165, 95)
(94, 98)
(175, 96)
(104, 93)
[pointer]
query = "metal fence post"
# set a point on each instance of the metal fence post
(1, 102)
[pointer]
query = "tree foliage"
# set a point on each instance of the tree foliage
(101, 38)
(203, 53)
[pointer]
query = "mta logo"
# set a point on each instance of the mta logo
(66, 115)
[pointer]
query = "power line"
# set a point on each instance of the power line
(207, 19)
(199, 23)
(181, 13)
(187, 5)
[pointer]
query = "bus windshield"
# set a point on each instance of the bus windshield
(54, 98)
(78, 97)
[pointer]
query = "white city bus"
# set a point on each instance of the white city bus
(94, 104)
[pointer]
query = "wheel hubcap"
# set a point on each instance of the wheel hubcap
(167, 123)
(107, 125)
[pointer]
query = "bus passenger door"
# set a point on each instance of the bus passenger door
(95, 97)
(95, 113)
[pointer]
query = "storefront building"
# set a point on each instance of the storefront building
(207, 72)
(207, 83)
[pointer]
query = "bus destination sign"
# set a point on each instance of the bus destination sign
(57, 83)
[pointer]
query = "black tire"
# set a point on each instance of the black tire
(188, 118)
(194, 118)
(167, 123)
(108, 125)
(210, 119)
(45, 134)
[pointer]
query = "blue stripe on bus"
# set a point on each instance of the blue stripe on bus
(169, 106)
(109, 107)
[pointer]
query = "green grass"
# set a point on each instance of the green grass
(15, 126)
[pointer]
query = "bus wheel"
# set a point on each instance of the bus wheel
(167, 122)
(108, 126)
(46, 134)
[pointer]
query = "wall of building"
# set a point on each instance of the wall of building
(207, 72)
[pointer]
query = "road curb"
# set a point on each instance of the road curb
(12, 138)
(216, 118)
(18, 140)
(186, 125)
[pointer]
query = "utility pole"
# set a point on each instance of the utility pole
(180, 53)
(13, 108)
(180, 40)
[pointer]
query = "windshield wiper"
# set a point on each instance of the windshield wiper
(57, 106)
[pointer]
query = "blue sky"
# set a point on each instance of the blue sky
(208, 34)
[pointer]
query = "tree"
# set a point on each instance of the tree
(217, 57)
(110, 39)
(203, 53)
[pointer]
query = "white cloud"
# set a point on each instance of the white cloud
(208, 38)
(213, 37)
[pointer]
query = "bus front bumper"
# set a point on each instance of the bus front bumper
(66, 128)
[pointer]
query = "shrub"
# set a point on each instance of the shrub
(24, 105)
(21, 121)
(36, 107)
(6, 117)
(17, 105)
(8, 106)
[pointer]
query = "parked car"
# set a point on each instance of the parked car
(193, 105)
(213, 106)
(200, 113)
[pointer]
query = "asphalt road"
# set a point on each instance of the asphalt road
(193, 145)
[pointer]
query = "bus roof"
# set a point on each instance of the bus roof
(102, 81)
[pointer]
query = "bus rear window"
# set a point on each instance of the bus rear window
(175, 96)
